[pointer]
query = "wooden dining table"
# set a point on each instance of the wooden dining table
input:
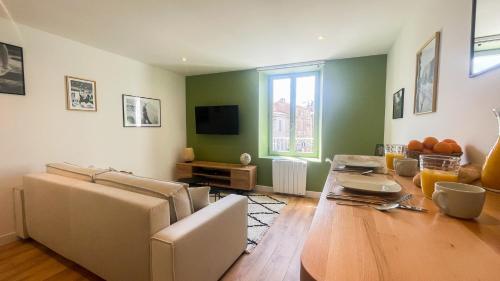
(361, 243)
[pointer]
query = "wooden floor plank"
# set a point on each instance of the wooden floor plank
(276, 258)
(272, 259)
(293, 271)
(37, 271)
(28, 260)
(18, 248)
(250, 266)
(67, 274)
(277, 265)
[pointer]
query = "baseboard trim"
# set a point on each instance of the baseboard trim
(263, 188)
(269, 189)
(313, 194)
(7, 238)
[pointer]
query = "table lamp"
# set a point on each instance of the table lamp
(188, 154)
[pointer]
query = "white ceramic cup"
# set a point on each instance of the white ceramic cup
(459, 200)
(406, 167)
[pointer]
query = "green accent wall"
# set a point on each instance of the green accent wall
(352, 114)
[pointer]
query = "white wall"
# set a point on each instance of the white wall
(464, 104)
(36, 129)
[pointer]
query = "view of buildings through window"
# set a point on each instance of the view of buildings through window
(293, 120)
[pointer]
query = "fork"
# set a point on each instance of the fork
(403, 198)
(385, 207)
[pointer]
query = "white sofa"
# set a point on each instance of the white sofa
(124, 235)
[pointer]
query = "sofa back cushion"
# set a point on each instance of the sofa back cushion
(200, 196)
(73, 171)
(177, 194)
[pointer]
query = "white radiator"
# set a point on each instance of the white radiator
(289, 176)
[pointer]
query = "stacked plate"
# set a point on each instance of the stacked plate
(357, 164)
(372, 184)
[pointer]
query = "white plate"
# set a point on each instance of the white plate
(359, 161)
(378, 184)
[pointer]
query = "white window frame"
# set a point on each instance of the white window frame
(316, 132)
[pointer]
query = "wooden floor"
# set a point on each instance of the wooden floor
(277, 257)
(28, 260)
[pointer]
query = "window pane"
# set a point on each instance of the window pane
(281, 115)
(482, 63)
(304, 114)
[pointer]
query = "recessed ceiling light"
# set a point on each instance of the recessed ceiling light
(184, 59)
(321, 37)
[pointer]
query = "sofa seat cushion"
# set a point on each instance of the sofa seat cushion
(177, 194)
(73, 171)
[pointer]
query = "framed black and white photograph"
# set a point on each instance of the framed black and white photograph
(398, 102)
(81, 94)
(11, 70)
(426, 78)
(141, 111)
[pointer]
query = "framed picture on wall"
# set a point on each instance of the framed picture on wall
(426, 78)
(141, 111)
(398, 101)
(11, 70)
(80, 94)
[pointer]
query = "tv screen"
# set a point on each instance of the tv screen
(217, 120)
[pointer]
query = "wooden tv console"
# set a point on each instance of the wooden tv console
(225, 175)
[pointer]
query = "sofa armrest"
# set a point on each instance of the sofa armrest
(202, 246)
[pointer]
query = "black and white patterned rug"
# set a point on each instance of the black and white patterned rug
(263, 209)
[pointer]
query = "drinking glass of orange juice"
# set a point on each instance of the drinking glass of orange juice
(393, 151)
(434, 168)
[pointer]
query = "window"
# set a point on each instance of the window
(294, 114)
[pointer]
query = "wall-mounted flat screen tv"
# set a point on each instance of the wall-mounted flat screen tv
(217, 120)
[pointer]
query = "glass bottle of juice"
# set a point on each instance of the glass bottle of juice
(490, 176)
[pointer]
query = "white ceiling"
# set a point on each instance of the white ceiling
(221, 35)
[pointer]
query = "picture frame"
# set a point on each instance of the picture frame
(12, 70)
(427, 76)
(398, 102)
(145, 110)
(81, 94)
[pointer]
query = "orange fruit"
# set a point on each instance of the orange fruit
(449, 141)
(415, 145)
(427, 151)
(443, 147)
(429, 142)
(455, 148)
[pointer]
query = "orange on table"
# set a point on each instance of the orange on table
(449, 141)
(443, 147)
(429, 142)
(415, 145)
